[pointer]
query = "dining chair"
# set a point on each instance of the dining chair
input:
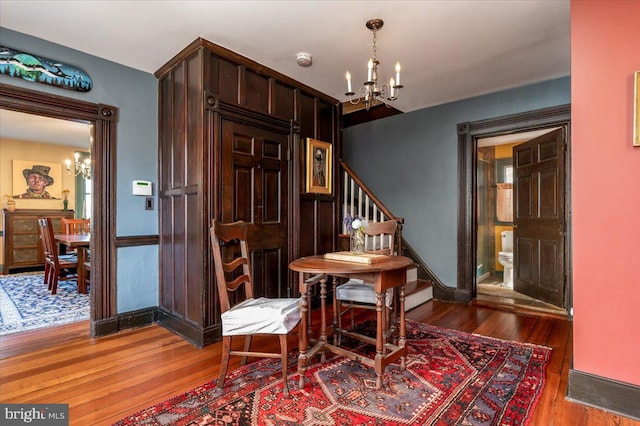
(84, 276)
(247, 316)
(57, 267)
(75, 226)
(359, 294)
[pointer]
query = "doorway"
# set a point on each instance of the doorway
(472, 168)
(103, 119)
(503, 276)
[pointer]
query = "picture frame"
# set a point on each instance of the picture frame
(636, 109)
(51, 174)
(319, 167)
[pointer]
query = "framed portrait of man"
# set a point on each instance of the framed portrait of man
(36, 180)
(319, 167)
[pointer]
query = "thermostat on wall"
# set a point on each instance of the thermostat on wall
(142, 187)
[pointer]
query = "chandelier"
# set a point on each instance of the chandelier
(79, 167)
(372, 93)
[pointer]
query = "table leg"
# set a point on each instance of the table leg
(380, 298)
(323, 315)
(403, 329)
(334, 307)
(302, 334)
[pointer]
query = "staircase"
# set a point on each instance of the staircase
(417, 291)
(358, 200)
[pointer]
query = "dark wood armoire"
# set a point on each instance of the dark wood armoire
(232, 146)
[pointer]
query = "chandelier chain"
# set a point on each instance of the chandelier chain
(375, 49)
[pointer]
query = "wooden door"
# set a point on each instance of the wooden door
(255, 190)
(539, 217)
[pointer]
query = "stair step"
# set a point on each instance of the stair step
(412, 274)
(417, 292)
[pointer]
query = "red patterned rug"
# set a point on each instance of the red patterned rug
(451, 377)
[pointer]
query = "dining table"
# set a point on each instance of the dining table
(388, 273)
(80, 242)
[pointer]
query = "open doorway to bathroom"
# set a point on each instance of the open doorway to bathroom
(495, 261)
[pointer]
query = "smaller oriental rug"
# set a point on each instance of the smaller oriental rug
(27, 304)
(451, 378)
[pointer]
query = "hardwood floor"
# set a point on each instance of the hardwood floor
(106, 379)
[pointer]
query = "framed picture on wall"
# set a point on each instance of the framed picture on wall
(319, 162)
(36, 180)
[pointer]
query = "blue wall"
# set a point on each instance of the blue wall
(135, 94)
(410, 162)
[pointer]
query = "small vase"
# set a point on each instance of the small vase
(11, 206)
(357, 242)
(65, 204)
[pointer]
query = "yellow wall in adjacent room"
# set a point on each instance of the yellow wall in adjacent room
(502, 151)
(506, 150)
(33, 152)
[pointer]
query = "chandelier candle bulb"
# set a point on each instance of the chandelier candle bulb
(348, 83)
(398, 73)
(392, 85)
(370, 70)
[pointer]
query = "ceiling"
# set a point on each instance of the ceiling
(35, 128)
(449, 50)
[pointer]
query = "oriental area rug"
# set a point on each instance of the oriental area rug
(27, 304)
(451, 378)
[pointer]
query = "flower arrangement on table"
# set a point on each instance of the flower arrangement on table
(355, 226)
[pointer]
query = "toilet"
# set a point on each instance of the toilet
(505, 258)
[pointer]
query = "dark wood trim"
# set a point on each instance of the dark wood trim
(103, 152)
(605, 394)
(468, 133)
(354, 115)
(192, 334)
(104, 327)
(242, 115)
(238, 59)
(137, 240)
(137, 318)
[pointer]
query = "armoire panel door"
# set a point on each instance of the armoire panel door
(255, 190)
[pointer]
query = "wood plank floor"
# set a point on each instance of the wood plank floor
(106, 379)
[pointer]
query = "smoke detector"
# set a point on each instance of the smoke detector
(304, 59)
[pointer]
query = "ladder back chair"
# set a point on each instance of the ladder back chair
(356, 293)
(57, 267)
(247, 316)
(75, 226)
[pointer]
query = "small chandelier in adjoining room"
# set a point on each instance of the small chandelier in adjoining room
(372, 93)
(79, 167)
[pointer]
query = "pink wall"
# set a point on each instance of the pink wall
(605, 52)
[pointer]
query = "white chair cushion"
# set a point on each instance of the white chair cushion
(358, 291)
(261, 316)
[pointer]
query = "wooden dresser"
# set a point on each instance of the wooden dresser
(21, 236)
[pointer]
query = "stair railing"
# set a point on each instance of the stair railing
(358, 200)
